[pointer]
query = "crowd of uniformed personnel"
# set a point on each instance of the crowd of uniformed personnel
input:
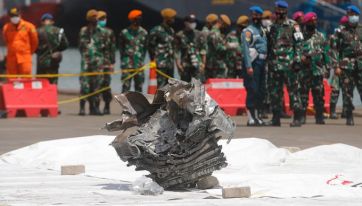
(268, 50)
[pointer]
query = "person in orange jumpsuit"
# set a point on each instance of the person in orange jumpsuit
(21, 40)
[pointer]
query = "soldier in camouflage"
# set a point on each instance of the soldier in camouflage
(191, 49)
(349, 67)
(162, 46)
(284, 39)
(315, 62)
(334, 81)
(52, 41)
(211, 20)
(109, 60)
(217, 48)
(234, 55)
(93, 45)
(133, 48)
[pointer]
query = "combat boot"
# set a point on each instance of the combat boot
(303, 118)
(275, 121)
(296, 119)
(106, 110)
(319, 117)
(81, 107)
(94, 107)
(252, 122)
(349, 118)
(332, 113)
(258, 118)
(344, 113)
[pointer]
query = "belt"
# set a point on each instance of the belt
(262, 56)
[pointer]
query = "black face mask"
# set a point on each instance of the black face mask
(137, 22)
(281, 15)
(170, 22)
(257, 20)
(224, 30)
(310, 27)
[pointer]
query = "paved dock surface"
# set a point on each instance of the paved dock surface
(19, 132)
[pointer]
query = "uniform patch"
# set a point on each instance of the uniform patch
(248, 35)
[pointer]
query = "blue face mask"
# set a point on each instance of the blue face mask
(102, 23)
(353, 19)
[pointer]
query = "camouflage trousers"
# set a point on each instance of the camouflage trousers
(233, 73)
(138, 80)
(90, 84)
(358, 77)
(277, 81)
(49, 70)
(189, 73)
(347, 80)
(162, 80)
(106, 82)
(314, 84)
(215, 73)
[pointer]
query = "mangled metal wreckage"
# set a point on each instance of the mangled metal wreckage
(174, 137)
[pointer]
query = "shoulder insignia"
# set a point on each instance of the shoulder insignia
(248, 35)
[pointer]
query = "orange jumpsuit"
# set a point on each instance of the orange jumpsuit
(21, 41)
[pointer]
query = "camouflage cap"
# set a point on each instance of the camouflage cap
(168, 13)
(242, 20)
(211, 18)
(224, 18)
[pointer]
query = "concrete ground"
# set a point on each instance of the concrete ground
(19, 132)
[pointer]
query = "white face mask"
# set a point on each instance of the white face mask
(191, 25)
(266, 22)
(15, 19)
(353, 19)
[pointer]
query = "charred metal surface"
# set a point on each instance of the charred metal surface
(174, 137)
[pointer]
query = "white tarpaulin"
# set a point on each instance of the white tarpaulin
(324, 175)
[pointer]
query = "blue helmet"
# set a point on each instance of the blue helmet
(281, 4)
(47, 16)
(256, 9)
(354, 9)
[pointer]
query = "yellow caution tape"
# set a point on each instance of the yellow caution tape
(152, 64)
(163, 74)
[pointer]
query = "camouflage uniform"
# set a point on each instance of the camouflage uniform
(315, 49)
(133, 48)
(191, 47)
(349, 48)
(334, 81)
(51, 39)
(109, 59)
(216, 53)
(93, 45)
(284, 40)
(162, 49)
(234, 55)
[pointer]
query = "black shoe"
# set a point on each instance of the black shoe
(320, 121)
(94, 108)
(303, 119)
(106, 110)
(251, 123)
(343, 115)
(296, 120)
(81, 108)
(333, 114)
(274, 122)
(349, 118)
